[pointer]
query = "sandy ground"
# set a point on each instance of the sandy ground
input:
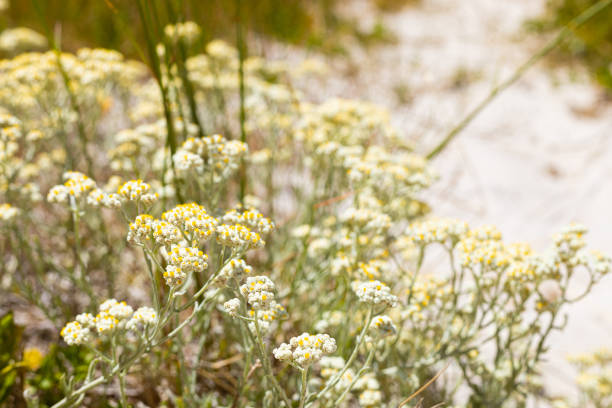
(537, 158)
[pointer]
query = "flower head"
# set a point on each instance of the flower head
(234, 269)
(137, 190)
(259, 291)
(76, 186)
(383, 326)
(8, 212)
(305, 349)
(75, 334)
(238, 236)
(142, 317)
(193, 219)
(375, 292)
(232, 306)
(250, 218)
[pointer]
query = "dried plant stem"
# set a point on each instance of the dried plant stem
(423, 387)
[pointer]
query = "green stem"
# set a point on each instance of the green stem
(363, 369)
(304, 386)
(338, 376)
(241, 55)
(156, 66)
(124, 401)
(266, 363)
(77, 253)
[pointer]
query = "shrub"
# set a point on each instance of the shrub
(279, 264)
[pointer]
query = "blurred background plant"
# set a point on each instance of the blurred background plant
(590, 44)
(313, 24)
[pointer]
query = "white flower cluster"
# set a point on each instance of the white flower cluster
(8, 212)
(21, 39)
(266, 317)
(35, 78)
(10, 131)
(347, 122)
(137, 190)
(238, 236)
(569, 249)
(274, 312)
(598, 262)
(426, 290)
(193, 219)
(75, 334)
(258, 291)
(375, 292)
(370, 395)
(331, 366)
(251, 218)
(142, 317)
(181, 262)
(135, 147)
(77, 185)
(485, 233)
(232, 307)
(436, 230)
(305, 349)
(570, 240)
(488, 253)
(186, 161)
(146, 229)
(383, 326)
(390, 176)
(112, 315)
(220, 49)
(97, 198)
(234, 269)
(366, 219)
(187, 31)
(210, 153)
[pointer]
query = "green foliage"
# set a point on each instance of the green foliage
(392, 5)
(10, 335)
(88, 23)
(58, 361)
(16, 376)
(591, 43)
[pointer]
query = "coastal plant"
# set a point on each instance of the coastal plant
(199, 232)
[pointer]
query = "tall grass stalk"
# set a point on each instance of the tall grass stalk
(241, 45)
(156, 67)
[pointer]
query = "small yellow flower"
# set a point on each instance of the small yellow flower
(32, 358)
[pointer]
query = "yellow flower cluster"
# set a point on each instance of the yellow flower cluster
(193, 219)
(112, 316)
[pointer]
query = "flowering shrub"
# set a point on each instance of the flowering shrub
(284, 269)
